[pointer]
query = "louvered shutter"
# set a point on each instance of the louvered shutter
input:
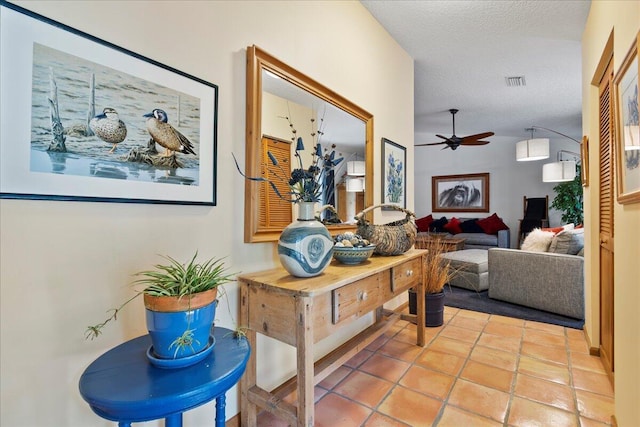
(275, 212)
(606, 156)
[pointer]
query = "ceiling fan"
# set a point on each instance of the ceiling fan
(454, 141)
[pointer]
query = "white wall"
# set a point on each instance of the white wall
(509, 180)
(63, 264)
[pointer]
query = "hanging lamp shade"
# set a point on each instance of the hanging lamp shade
(355, 185)
(559, 171)
(355, 168)
(532, 149)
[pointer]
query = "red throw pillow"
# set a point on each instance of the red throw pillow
(424, 223)
(453, 226)
(492, 224)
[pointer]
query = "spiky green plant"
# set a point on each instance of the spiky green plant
(178, 280)
(173, 279)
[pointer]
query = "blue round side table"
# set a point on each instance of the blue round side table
(123, 386)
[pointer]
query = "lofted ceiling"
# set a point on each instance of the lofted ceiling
(465, 50)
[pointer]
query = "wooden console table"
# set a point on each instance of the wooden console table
(301, 312)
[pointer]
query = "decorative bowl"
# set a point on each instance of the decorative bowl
(352, 256)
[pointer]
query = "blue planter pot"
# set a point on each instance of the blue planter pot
(305, 247)
(166, 326)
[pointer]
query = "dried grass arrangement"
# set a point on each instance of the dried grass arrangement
(438, 271)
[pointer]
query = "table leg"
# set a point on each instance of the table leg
(420, 306)
(174, 420)
(221, 403)
(304, 348)
(248, 410)
(124, 424)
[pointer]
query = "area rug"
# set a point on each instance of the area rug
(480, 301)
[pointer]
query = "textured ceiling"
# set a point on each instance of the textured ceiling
(463, 50)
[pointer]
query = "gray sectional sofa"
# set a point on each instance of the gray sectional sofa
(547, 281)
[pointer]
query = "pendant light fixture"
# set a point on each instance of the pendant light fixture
(532, 149)
(355, 168)
(538, 148)
(560, 171)
(355, 185)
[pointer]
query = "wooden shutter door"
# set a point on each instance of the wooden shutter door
(274, 211)
(606, 159)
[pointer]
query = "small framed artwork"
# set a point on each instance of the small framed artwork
(86, 120)
(627, 125)
(460, 193)
(584, 161)
(394, 174)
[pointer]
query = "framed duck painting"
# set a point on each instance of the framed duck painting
(86, 120)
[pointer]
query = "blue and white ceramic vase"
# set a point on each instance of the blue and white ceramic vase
(305, 246)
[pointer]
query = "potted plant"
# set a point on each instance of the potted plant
(180, 302)
(438, 272)
(568, 199)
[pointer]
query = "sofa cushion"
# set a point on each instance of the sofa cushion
(492, 224)
(471, 226)
(438, 225)
(453, 226)
(424, 223)
(537, 241)
(568, 242)
(478, 239)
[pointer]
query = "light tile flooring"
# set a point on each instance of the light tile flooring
(476, 370)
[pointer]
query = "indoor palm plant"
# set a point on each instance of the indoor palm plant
(180, 302)
(568, 199)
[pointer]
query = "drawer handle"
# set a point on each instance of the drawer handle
(409, 273)
(362, 296)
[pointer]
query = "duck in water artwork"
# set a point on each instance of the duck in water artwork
(108, 127)
(166, 135)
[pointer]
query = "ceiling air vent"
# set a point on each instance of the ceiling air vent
(515, 81)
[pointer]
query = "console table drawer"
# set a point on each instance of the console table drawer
(406, 275)
(356, 298)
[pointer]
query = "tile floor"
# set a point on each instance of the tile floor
(476, 370)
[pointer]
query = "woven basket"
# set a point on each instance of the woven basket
(394, 238)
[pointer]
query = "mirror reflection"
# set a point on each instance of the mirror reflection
(289, 113)
(281, 100)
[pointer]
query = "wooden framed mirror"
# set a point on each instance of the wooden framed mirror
(274, 90)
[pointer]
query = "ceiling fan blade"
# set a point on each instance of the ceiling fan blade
(475, 143)
(477, 136)
(443, 137)
(430, 143)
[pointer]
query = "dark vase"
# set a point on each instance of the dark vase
(434, 307)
